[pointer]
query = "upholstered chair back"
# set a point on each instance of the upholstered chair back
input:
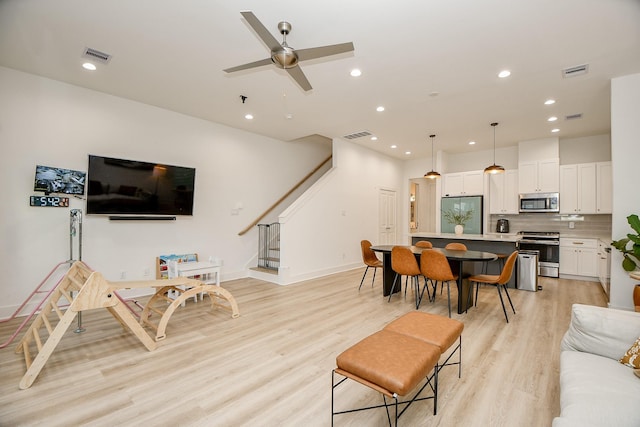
(403, 261)
(434, 265)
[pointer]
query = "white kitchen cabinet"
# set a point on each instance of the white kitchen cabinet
(578, 189)
(503, 192)
(579, 257)
(463, 184)
(539, 176)
(586, 188)
(604, 188)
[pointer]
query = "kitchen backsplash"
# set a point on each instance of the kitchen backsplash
(593, 225)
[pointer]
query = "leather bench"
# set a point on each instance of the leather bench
(396, 359)
(392, 364)
(433, 329)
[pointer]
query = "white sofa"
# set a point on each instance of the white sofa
(596, 389)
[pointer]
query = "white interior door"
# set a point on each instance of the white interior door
(387, 217)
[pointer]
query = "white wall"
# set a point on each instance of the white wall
(588, 149)
(625, 152)
(321, 233)
(539, 149)
(52, 123)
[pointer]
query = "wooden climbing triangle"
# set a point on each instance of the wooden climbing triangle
(83, 289)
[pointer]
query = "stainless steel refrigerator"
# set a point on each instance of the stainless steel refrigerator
(459, 206)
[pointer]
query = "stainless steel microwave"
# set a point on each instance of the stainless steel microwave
(540, 202)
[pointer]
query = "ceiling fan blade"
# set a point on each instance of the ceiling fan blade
(299, 77)
(249, 65)
(262, 32)
(319, 52)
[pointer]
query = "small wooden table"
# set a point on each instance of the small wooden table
(456, 259)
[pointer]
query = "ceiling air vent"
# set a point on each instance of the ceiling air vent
(356, 135)
(573, 116)
(578, 70)
(96, 55)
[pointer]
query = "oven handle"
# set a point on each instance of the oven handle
(540, 242)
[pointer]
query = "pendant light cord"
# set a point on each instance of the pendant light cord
(494, 141)
(432, 164)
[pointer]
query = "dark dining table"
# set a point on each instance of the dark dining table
(457, 261)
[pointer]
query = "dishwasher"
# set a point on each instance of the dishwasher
(528, 270)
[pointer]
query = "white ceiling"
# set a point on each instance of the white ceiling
(171, 54)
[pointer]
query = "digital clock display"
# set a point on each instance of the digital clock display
(50, 201)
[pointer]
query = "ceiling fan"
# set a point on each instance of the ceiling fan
(284, 56)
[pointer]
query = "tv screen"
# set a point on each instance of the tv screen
(118, 186)
(58, 180)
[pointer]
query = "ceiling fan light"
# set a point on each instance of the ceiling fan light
(285, 58)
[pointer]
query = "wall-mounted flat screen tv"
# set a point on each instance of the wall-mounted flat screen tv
(130, 187)
(58, 180)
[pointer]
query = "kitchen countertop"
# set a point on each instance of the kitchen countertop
(489, 237)
(607, 240)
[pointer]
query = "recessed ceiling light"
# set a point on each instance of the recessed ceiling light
(407, 152)
(552, 119)
(472, 143)
(549, 102)
(374, 138)
(355, 73)
(555, 130)
(89, 66)
(380, 109)
(248, 116)
(394, 146)
(504, 73)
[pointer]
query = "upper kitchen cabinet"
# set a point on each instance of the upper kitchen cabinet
(463, 184)
(604, 188)
(503, 192)
(585, 188)
(540, 176)
(578, 189)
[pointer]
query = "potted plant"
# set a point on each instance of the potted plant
(458, 218)
(630, 245)
(630, 248)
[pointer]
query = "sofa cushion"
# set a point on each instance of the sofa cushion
(632, 357)
(597, 391)
(602, 331)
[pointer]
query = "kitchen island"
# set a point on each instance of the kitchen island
(490, 242)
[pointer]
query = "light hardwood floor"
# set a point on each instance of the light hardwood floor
(272, 366)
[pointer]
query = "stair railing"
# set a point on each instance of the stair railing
(287, 194)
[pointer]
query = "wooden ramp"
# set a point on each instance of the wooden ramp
(161, 304)
(83, 289)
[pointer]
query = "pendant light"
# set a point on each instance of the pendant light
(432, 174)
(493, 169)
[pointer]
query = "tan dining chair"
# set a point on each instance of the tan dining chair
(499, 281)
(424, 244)
(455, 246)
(404, 263)
(435, 267)
(370, 260)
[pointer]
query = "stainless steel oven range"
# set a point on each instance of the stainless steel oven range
(547, 243)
